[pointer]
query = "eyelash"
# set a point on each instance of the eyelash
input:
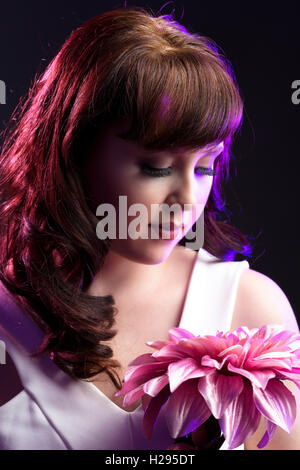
(160, 172)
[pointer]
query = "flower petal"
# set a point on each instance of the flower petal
(240, 419)
(210, 362)
(140, 374)
(152, 411)
(285, 336)
(269, 434)
(205, 345)
(268, 364)
(274, 355)
(234, 349)
(157, 344)
(180, 371)
(186, 409)
(276, 403)
(264, 331)
(176, 334)
(293, 375)
(142, 359)
(133, 396)
(154, 386)
(219, 391)
(243, 332)
(145, 401)
(259, 378)
(194, 347)
(168, 353)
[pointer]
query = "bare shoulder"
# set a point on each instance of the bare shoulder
(260, 301)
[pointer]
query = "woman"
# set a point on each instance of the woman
(133, 105)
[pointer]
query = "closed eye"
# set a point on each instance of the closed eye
(205, 171)
(160, 172)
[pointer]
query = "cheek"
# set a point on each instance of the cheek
(203, 192)
(204, 189)
(145, 195)
(112, 185)
(138, 190)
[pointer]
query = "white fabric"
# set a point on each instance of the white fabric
(55, 411)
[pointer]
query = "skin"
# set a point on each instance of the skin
(113, 168)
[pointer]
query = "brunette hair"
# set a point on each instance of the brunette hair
(177, 89)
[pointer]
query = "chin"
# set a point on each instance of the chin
(141, 251)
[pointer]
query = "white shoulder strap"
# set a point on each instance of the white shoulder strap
(211, 295)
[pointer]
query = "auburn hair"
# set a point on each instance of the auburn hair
(177, 89)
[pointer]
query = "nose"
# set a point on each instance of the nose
(185, 192)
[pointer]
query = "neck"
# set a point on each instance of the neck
(120, 275)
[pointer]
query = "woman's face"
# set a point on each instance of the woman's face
(115, 167)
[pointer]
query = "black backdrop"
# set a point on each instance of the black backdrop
(262, 41)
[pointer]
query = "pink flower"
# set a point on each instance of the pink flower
(235, 376)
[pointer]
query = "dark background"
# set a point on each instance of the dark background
(262, 42)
